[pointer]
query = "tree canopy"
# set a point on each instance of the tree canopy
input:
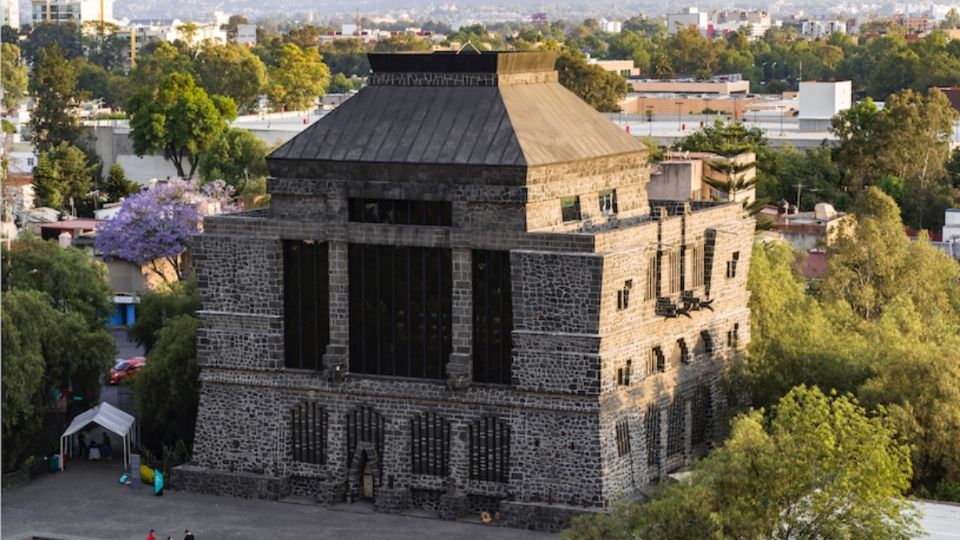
(231, 71)
(299, 77)
(54, 84)
(236, 156)
(62, 175)
(601, 89)
(179, 119)
(13, 76)
(819, 467)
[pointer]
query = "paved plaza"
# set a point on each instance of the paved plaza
(86, 502)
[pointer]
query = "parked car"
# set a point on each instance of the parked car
(126, 368)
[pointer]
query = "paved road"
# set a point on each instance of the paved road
(86, 501)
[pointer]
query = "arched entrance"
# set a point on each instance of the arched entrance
(364, 475)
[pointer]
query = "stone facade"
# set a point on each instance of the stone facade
(588, 416)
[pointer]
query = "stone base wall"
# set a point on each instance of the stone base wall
(235, 484)
(540, 517)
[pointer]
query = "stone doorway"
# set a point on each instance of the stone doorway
(365, 471)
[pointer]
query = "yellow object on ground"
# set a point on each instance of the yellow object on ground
(146, 474)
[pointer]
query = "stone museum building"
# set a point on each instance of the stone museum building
(461, 300)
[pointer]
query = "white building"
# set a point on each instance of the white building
(951, 225)
(690, 16)
(247, 34)
(611, 27)
(10, 13)
(820, 101)
(77, 11)
(816, 28)
(193, 33)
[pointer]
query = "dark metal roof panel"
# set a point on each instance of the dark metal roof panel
(431, 125)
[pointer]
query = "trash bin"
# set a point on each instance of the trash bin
(54, 462)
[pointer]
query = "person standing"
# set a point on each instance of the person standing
(151, 535)
(187, 535)
(82, 439)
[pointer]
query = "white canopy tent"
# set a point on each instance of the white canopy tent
(106, 416)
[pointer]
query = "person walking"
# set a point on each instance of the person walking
(151, 535)
(187, 535)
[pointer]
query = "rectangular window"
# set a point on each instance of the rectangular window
(308, 433)
(683, 351)
(733, 336)
(704, 343)
(650, 292)
(623, 438)
(306, 311)
(489, 443)
(697, 264)
(400, 212)
(623, 295)
(430, 444)
(492, 317)
(400, 310)
(732, 265)
(652, 428)
(673, 263)
(675, 428)
(608, 202)
(702, 416)
(656, 362)
(570, 208)
(623, 374)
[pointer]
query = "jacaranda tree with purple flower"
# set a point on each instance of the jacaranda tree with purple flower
(155, 228)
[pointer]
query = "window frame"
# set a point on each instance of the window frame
(570, 209)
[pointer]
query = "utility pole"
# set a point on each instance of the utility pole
(799, 187)
(133, 47)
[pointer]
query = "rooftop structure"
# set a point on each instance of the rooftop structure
(461, 299)
(820, 101)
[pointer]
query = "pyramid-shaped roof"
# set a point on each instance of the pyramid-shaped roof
(493, 109)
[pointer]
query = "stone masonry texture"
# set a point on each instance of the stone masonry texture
(594, 414)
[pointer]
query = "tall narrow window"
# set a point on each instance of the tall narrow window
(623, 374)
(623, 438)
(623, 295)
(430, 444)
(308, 433)
(697, 264)
(683, 351)
(652, 429)
(732, 265)
(306, 311)
(608, 202)
(656, 361)
(704, 344)
(400, 310)
(650, 292)
(570, 208)
(489, 443)
(675, 428)
(702, 409)
(492, 317)
(673, 263)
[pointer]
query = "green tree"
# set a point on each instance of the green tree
(105, 46)
(179, 119)
(298, 79)
(784, 168)
(340, 84)
(727, 139)
(235, 156)
(820, 467)
(231, 71)
(117, 185)
(735, 179)
(158, 307)
(54, 84)
(157, 62)
(167, 389)
(63, 177)
(403, 42)
(13, 76)
(65, 36)
(601, 89)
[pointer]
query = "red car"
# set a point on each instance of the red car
(126, 368)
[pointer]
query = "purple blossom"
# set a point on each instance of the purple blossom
(159, 223)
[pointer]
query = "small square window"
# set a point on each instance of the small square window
(570, 208)
(608, 202)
